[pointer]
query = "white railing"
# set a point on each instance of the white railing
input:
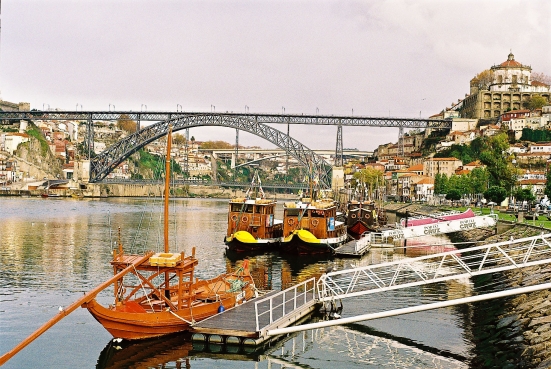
(282, 303)
(434, 268)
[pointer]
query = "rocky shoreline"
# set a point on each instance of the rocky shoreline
(512, 332)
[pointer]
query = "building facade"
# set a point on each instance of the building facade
(510, 86)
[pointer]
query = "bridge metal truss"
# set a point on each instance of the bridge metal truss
(106, 161)
(256, 124)
(440, 267)
(333, 120)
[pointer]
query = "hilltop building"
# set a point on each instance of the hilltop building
(510, 86)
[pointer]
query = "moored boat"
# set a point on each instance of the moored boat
(252, 225)
(436, 218)
(158, 294)
(251, 221)
(363, 217)
(311, 227)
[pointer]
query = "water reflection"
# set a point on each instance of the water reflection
(53, 251)
(351, 346)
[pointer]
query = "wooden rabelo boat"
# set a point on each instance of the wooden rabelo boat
(156, 294)
(251, 222)
(311, 227)
(160, 294)
(362, 217)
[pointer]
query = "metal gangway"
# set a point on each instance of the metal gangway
(429, 269)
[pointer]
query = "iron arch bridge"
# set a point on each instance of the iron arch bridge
(106, 161)
(250, 122)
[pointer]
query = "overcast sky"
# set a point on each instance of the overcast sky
(375, 58)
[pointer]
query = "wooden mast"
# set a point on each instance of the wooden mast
(69, 309)
(167, 185)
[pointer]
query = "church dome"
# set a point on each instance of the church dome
(510, 62)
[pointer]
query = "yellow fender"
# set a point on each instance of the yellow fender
(306, 236)
(245, 237)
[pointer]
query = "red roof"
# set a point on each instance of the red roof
(538, 83)
(510, 63)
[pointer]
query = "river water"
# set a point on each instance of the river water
(54, 250)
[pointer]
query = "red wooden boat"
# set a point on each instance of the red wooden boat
(159, 295)
(363, 217)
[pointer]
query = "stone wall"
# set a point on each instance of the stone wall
(512, 332)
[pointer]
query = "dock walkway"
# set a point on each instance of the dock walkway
(354, 248)
(246, 323)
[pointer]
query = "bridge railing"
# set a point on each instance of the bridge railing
(434, 268)
(275, 306)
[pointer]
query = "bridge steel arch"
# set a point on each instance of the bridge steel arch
(109, 159)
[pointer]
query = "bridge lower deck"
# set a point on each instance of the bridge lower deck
(238, 325)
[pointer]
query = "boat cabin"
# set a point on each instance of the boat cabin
(317, 217)
(256, 216)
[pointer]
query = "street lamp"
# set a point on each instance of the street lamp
(212, 108)
(141, 107)
(246, 108)
(178, 105)
(283, 109)
(110, 107)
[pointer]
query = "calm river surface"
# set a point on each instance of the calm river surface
(54, 250)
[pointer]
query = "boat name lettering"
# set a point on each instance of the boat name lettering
(431, 229)
(467, 224)
(396, 234)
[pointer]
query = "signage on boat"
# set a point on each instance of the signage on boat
(441, 227)
(431, 229)
(467, 224)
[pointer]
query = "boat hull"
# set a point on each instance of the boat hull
(243, 241)
(134, 326)
(357, 229)
(295, 244)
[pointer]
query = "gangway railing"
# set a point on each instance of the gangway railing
(275, 306)
(435, 268)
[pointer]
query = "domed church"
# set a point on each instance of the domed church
(509, 85)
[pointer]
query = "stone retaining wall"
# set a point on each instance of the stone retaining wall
(512, 332)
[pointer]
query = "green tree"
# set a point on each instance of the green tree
(453, 195)
(479, 178)
(178, 139)
(547, 190)
(493, 153)
(440, 184)
(496, 194)
(524, 194)
(209, 145)
(368, 180)
(535, 102)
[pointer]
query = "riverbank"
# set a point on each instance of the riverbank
(512, 332)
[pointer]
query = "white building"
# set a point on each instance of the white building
(12, 140)
(541, 147)
(513, 76)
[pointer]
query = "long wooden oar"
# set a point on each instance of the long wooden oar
(69, 309)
